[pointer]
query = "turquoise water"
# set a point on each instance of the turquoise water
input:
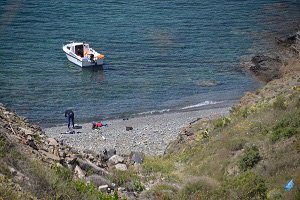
(159, 54)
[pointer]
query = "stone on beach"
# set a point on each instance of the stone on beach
(115, 159)
(137, 157)
(121, 167)
(99, 180)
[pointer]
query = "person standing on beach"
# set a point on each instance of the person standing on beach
(70, 115)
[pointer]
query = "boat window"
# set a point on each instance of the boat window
(69, 48)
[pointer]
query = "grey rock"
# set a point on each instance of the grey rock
(78, 172)
(52, 142)
(88, 165)
(27, 131)
(99, 180)
(121, 189)
(50, 156)
(121, 167)
(111, 152)
(115, 159)
(137, 157)
(266, 67)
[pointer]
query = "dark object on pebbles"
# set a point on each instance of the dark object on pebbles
(69, 132)
(111, 152)
(129, 128)
(77, 126)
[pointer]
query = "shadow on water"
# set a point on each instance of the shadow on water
(95, 73)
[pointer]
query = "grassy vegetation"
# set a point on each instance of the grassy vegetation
(250, 154)
(128, 179)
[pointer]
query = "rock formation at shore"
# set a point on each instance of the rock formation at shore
(266, 67)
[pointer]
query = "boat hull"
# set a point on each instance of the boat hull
(84, 62)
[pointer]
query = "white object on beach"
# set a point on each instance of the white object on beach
(82, 55)
(103, 137)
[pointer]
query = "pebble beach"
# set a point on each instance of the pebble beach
(150, 134)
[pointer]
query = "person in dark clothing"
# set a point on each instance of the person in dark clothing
(70, 115)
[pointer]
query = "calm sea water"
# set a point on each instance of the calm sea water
(160, 55)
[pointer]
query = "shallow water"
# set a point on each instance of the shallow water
(160, 55)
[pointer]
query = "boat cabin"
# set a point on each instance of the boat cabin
(81, 49)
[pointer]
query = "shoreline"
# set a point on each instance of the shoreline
(205, 105)
(150, 134)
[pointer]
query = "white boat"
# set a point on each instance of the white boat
(82, 55)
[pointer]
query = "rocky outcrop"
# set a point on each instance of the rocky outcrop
(267, 67)
(291, 42)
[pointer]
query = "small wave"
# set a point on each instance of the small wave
(205, 103)
(153, 112)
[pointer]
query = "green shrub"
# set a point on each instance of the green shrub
(283, 133)
(83, 187)
(92, 191)
(138, 186)
(250, 158)
(64, 173)
(245, 112)
(121, 178)
(236, 144)
(286, 127)
(239, 111)
(245, 186)
(221, 122)
(279, 103)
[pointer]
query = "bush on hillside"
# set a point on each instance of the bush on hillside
(245, 186)
(221, 122)
(196, 190)
(250, 158)
(287, 127)
(279, 103)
